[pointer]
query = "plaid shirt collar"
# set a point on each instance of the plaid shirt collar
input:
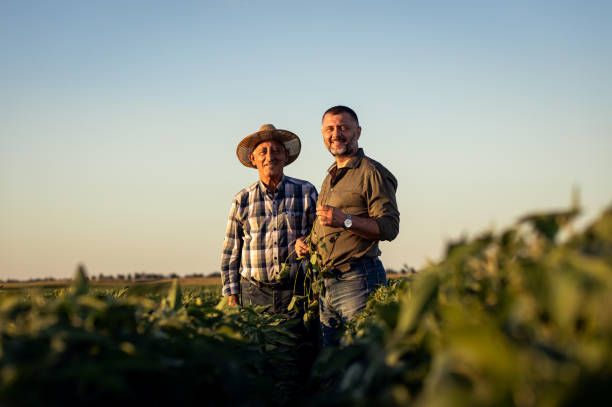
(279, 187)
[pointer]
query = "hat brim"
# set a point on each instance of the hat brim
(292, 144)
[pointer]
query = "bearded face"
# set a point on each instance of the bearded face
(340, 134)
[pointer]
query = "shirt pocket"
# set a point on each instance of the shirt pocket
(350, 202)
(254, 224)
(295, 221)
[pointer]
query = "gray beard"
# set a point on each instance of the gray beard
(348, 150)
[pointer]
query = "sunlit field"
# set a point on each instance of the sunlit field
(516, 318)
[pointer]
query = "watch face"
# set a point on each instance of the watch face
(348, 222)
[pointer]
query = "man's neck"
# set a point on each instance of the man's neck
(342, 160)
(271, 182)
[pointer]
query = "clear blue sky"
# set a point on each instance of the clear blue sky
(119, 120)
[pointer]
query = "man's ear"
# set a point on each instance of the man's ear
(286, 156)
(358, 132)
(252, 159)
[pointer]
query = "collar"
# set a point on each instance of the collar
(280, 185)
(353, 162)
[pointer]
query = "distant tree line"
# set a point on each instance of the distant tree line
(31, 280)
(141, 276)
(137, 276)
(406, 269)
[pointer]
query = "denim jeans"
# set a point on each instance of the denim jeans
(276, 301)
(346, 295)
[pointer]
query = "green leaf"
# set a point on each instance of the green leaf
(314, 260)
(413, 307)
(174, 297)
(80, 285)
(316, 286)
(284, 273)
(307, 317)
(296, 300)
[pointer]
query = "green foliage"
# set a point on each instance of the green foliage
(88, 347)
(508, 319)
(313, 287)
(517, 318)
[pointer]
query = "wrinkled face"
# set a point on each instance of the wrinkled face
(269, 157)
(340, 134)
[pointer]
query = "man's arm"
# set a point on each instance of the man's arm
(365, 227)
(383, 220)
(382, 206)
(230, 257)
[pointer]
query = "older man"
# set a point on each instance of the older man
(356, 209)
(264, 222)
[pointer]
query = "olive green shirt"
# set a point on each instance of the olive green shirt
(362, 188)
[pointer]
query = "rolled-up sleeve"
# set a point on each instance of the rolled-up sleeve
(382, 205)
(230, 256)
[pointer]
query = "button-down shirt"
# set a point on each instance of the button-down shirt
(362, 188)
(262, 230)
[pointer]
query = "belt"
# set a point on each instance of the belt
(365, 261)
(362, 261)
(271, 286)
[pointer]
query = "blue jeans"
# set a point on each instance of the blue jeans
(346, 295)
(276, 301)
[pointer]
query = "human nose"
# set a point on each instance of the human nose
(336, 131)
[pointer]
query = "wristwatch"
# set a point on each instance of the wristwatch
(348, 222)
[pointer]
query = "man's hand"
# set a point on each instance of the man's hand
(364, 227)
(330, 216)
(233, 300)
(301, 248)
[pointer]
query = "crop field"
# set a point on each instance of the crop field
(516, 318)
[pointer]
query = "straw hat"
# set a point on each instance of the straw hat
(268, 132)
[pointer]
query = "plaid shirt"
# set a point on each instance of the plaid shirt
(262, 230)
